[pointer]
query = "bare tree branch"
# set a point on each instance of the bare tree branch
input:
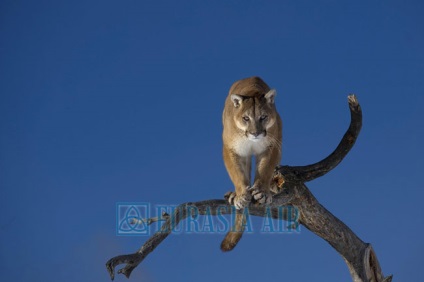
(289, 181)
(149, 221)
(310, 172)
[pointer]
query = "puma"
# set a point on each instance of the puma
(252, 128)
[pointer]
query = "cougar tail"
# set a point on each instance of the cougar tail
(234, 236)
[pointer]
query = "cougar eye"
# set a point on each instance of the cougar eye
(263, 117)
(246, 118)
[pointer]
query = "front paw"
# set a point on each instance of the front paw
(239, 201)
(261, 196)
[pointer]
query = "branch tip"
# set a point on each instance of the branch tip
(353, 100)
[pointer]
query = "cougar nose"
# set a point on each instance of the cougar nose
(256, 134)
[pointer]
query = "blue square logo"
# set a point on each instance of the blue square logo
(131, 219)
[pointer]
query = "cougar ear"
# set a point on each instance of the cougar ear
(270, 96)
(237, 100)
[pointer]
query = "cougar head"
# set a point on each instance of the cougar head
(254, 115)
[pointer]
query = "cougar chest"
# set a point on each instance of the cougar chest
(245, 147)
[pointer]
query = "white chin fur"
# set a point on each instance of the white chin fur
(246, 147)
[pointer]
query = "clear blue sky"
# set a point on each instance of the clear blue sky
(113, 101)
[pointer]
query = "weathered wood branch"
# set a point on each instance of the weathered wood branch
(310, 172)
(359, 256)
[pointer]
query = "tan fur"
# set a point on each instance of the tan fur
(252, 127)
(234, 236)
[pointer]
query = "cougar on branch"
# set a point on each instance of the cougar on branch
(252, 128)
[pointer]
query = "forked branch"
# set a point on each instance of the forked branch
(289, 180)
